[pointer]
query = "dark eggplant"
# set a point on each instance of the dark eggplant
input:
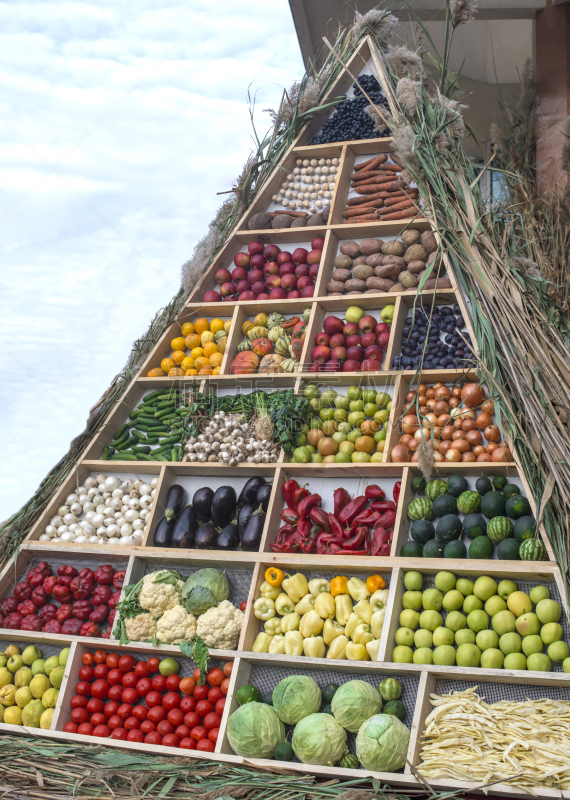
(163, 532)
(252, 534)
(206, 537)
(202, 502)
(228, 539)
(175, 501)
(262, 496)
(243, 518)
(223, 506)
(185, 529)
(249, 491)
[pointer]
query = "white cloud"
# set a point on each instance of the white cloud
(118, 125)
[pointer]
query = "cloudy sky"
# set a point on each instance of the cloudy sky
(119, 122)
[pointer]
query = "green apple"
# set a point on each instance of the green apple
(412, 600)
(386, 315)
(504, 622)
(356, 405)
(515, 661)
(423, 655)
(478, 620)
(339, 437)
(495, 604)
(404, 636)
(413, 580)
(341, 401)
(310, 390)
(423, 638)
(353, 314)
(548, 610)
(566, 665)
(538, 593)
(444, 655)
(528, 624)
(445, 581)
(492, 659)
(403, 655)
(539, 662)
(519, 603)
(443, 636)
(472, 603)
(382, 416)
(328, 397)
(453, 600)
(354, 392)
(370, 409)
(465, 636)
(340, 415)
(487, 640)
(551, 632)
(558, 651)
(432, 599)
(505, 588)
(409, 619)
(484, 588)
(465, 586)
(455, 621)
(510, 643)
(382, 399)
(430, 620)
(468, 655)
(532, 644)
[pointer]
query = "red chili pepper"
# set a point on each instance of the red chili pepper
(325, 541)
(319, 517)
(304, 527)
(67, 571)
(352, 553)
(290, 516)
(359, 538)
(341, 499)
(374, 492)
(396, 491)
(335, 527)
(308, 545)
(307, 503)
(288, 489)
(382, 506)
(351, 510)
(381, 544)
(366, 517)
(335, 550)
(292, 544)
(283, 533)
(299, 495)
(387, 520)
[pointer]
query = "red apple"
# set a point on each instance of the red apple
(314, 256)
(273, 281)
(242, 259)
(278, 294)
(321, 354)
(247, 296)
(263, 296)
(314, 270)
(255, 275)
(227, 288)
(371, 365)
(355, 353)
(368, 339)
(302, 270)
(339, 354)
(300, 255)
(338, 340)
(230, 298)
(322, 338)
(318, 243)
(332, 325)
(305, 282)
(287, 269)
(253, 249)
(353, 341)
(222, 276)
(243, 286)
(257, 262)
(294, 294)
(239, 274)
(308, 291)
(373, 351)
(315, 367)
(258, 288)
(333, 366)
(351, 329)
(271, 251)
(271, 268)
(283, 257)
(289, 282)
(366, 323)
(383, 340)
(351, 366)
(382, 327)
(212, 297)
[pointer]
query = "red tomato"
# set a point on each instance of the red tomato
(171, 700)
(201, 692)
(143, 686)
(132, 724)
(83, 688)
(70, 727)
(164, 727)
(116, 693)
(127, 663)
(125, 710)
(100, 689)
(159, 683)
(171, 740)
(191, 719)
(215, 694)
(79, 715)
(153, 737)
(172, 683)
(213, 734)
(175, 716)
(207, 745)
(225, 687)
(198, 733)
(111, 709)
(153, 664)
(129, 696)
(103, 731)
(87, 659)
(188, 744)
(86, 673)
(100, 656)
(220, 705)
(152, 699)
(140, 712)
(243, 605)
(115, 677)
(95, 706)
(147, 726)
(79, 701)
(156, 714)
(98, 719)
(182, 731)
(196, 674)
(215, 676)
(85, 729)
(142, 670)
(228, 666)
(101, 671)
(186, 686)
(187, 704)
(113, 660)
(119, 733)
(204, 707)
(130, 680)
(212, 721)
(135, 736)
(115, 722)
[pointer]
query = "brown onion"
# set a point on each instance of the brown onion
(453, 455)
(469, 425)
(474, 437)
(468, 457)
(405, 438)
(400, 453)
(430, 394)
(447, 432)
(463, 413)
(462, 445)
(410, 423)
(443, 420)
(458, 424)
(492, 433)
(415, 457)
(456, 391)
(490, 448)
(413, 444)
(473, 394)
(438, 457)
(488, 407)
(437, 385)
(484, 420)
(484, 457)
(422, 388)
(410, 396)
(444, 446)
(441, 407)
(454, 402)
(459, 434)
(442, 393)
(431, 404)
(422, 400)
(478, 449)
(424, 410)
(501, 454)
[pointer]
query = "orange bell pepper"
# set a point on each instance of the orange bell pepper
(274, 577)
(339, 585)
(375, 582)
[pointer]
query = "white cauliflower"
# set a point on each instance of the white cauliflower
(159, 597)
(141, 627)
(220, 626)
(176, 626)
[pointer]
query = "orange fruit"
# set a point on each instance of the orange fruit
(216, 360)
(201, 324)
(192, 340)
(202, 361)
(210, 348)
(156, 373)
(187, 328)
(191, 372)
(175, 373)
(380, 445)
(216, 325)
(178, 356)
(196, 352)
(178, 343)
(166, 364)
(207, 370)
(188, 363)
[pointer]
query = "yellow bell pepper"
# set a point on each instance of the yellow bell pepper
(284, 604)
(293, 643)
(372, 649)
(357, 589)
(290, 622)
(343, 606)
(373, 583)
(356, 652)
(273, 626)
(325, 605)
(364, 610)
(331, 630)
(305, 604)
(262, 642)
(264, 608)
(338, 647)
(352, 623)
(314, 647)
(275, 576)
(295, 586)
(277, 645)
(311, 624)
(339, 585)
(379, 599)
(377, 623)
(269, 591)
(318, 585)
(362, 634)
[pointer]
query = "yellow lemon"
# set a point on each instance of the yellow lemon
(196, 352)
(187, 328)
(178, 343)
(216, 325)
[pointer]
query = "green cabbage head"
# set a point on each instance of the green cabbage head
(204, 589)
(254, 730)
(295, 697)
(354, 703)
(382, 743)
(319, 739)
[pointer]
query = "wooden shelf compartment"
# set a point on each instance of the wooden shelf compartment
(358, 146)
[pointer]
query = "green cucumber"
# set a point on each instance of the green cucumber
(123, 457)
(151, 440)
(140, 436)
(174, 454)
(139, 427)
(160, 457)
(125, 446)
(107, 452)
(121, 430)
(157, 429)
(179, 453)
(119, 440)
(137, 448)
(169, 440)
(143, 457)
(152, 395)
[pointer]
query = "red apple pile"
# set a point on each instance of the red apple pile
(266, 272)
(350, 346)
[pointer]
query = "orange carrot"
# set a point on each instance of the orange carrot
(365, 218)
(396, 160)
(399, 206)
(359, 210)
(392, 201)
(274, 214)
(358, 201)
(407, 213)
(373, 178)
(372, 173)
(393, 167)
(372, 188)
(367, 164)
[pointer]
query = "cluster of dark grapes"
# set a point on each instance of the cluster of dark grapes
(451, 352)
(349, 121)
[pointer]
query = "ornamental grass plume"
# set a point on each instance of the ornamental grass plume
(404, 141)
(462, 11)
(383, 121)
(409, 94)
(404, 63)
(298, 100)
(376, 23)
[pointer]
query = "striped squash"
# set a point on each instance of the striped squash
(289, 365)
(282, 345)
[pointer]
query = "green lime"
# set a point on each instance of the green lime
(248, 694)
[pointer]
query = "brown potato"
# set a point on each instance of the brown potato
(397, 260)
(316, 221)
(435, 258)
(350, 249)
(429, 242)
(353, 293)
(282, 221)
(360, 260)
(342, 275)
(388, 271)
(380, 284)
(258, 222)
(370, 246)
(415, 253)
(354, 285)
(363, 271)
(416, 267)
(343, 262)
(397, 287)
(410, 237)
(394, 248)
(375, 260)
(440, 283)
(335, 294)
(407, 279)
(299, 222)
(335, 286)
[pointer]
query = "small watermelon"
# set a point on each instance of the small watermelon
(518, 507)
(493, 505)
(435, 488)
(533, 550)
(525, 528)
(418, 484)
(348, 761)
(499, 528)
(411, 550)
(396, 709)
(483, 485)
(448, 528)
(456, 484)
(508, 550)
(390, 689)
(422, 531)
(444, 504)
(510, 490)
(499, 482)
(433, 549)
(420, 508)
(469, 502)
(475, 525)
(455, 549)
(283, 752)
(481, 547)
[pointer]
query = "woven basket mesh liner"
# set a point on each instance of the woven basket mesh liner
(47, 649)
(238, 579)
(495, 692)
(267, 678)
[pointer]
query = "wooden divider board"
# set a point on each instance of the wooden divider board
(322, 478)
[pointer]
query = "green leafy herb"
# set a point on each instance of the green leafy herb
(171, 577)
(198, 651)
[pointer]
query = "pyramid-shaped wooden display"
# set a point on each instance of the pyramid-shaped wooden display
(152, 440)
